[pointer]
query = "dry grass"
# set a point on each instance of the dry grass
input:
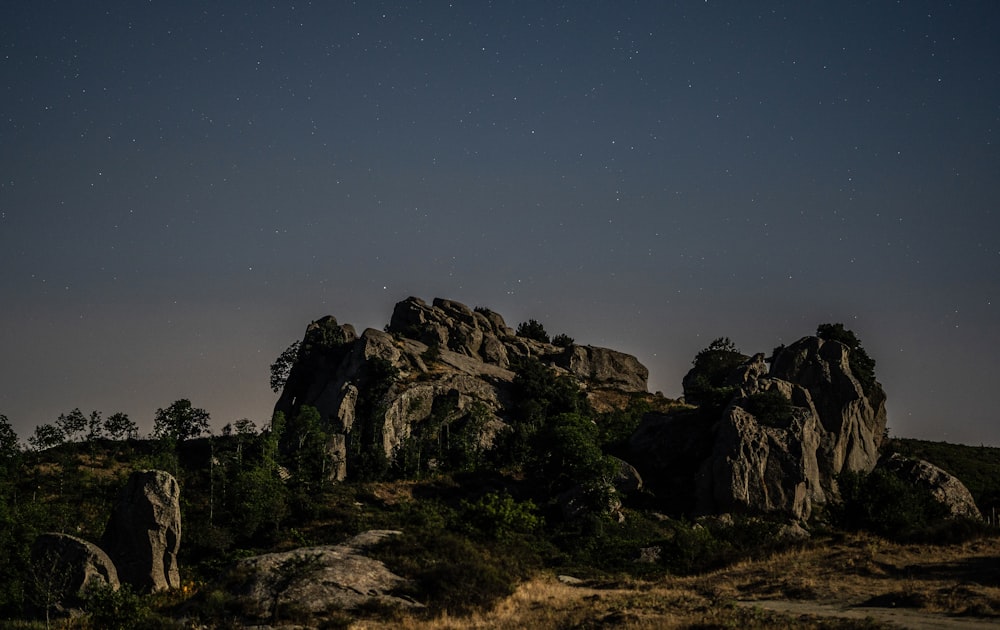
(961, 580)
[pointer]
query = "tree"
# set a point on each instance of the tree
(180, 421)
(71, 424)
(118, 426)
(532, 329)
(705, 384)
(95, 426)
(9, 444)
(282, 366)
(46, 436)
(562, 340)
(10, 456)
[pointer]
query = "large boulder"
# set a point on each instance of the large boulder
(143, 535)
(318, 579)
(67, 566)
(754, 458)
(946, 489)
(604, 367)
(757, 468)
(439, 368)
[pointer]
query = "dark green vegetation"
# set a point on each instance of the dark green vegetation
(706, 384)
(977, 466)
(475, 522)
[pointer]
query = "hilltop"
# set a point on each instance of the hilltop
(462, 464)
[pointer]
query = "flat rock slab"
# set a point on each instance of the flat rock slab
(319, 579)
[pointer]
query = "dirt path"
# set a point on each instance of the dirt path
(902, 617)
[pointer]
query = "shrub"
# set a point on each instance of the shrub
(499, 516)
(771, 408)
(882, 503)
(705, 384)
(532, 329)
(562, 340)
(450, 573)
(112, 609)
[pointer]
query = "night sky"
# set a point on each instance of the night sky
(184, 186)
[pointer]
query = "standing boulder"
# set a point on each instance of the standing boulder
(143, 534)
(66, 566)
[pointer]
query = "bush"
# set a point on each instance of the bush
(532, 329)
(562, 340)
(499, 516)
(705, 384)
(449, 572)
(771, 408)
(884, 504)
(112, 609)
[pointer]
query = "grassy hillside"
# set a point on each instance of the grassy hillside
(472, 540)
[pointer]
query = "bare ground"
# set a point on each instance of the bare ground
(860, 582)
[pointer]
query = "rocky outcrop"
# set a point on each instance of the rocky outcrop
(143, 535)
(318, 579)
(787, 432)
(439, 367)
(853, 420)
(604, 367)
(945, 488)
(67, 566)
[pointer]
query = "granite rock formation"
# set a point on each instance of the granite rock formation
(143, 535)
(449, 364)
(783, 462)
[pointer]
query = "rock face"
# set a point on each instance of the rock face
(771, 462)
(318, 579)
(440, 367)
(70, 565)
(143, 534)
(946, 489)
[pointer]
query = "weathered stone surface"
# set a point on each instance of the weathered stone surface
(318, 579)
(143, 534)
(740, 463)
(604, 367)
(68, 565)
(453, 363)
(757, 468)
(853, 422)
(945, 488)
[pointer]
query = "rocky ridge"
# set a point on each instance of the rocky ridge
(742, 463)
(451, 361)
(448, 368)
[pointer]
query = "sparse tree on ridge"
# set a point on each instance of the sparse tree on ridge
(46, 436)
(180, 421)
(95, 426)
(10, 446)
(72, 424)
(118, 426)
